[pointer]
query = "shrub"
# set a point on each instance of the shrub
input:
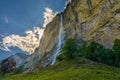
(60, 57)
(69, 49)
(97, 52)
(116, 50)
(83, 51)
(90, 51)
(93, 51)
(19, 70)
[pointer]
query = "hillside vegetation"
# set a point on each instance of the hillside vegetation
(75, 69)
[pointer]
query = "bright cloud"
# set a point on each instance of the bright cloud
(48, 16)
(31, 40)
(26, 43)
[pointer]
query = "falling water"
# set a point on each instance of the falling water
(60, 41)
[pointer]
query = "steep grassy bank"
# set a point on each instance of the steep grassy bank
(76, 69)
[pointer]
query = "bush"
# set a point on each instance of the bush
(82, 51)
(97, 52)
(69, 50)
(60, 57)
(90, 51)
(19, 70)
(116, 50)
(93, 51)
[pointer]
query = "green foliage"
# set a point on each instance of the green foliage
(116, 50)
(116, 47)
(93, 51)
(19, 70)
(69, 49)
(60, 57)
(82, 50)
(99, 53)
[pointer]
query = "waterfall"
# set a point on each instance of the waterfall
(60, 41)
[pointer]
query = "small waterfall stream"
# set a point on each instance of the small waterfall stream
(60, 41)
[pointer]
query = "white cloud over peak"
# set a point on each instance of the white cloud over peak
(31, 40)
(48, 16)
(27, 43)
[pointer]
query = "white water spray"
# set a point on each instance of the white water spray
(60, 41)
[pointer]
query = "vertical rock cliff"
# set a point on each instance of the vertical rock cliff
(97, 20)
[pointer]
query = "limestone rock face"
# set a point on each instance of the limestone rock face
(97, 20)
(49, 39)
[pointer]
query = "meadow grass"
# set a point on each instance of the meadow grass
(76, 69)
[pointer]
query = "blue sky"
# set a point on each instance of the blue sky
(17, 16)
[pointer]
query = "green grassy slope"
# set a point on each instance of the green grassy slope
(77, 69)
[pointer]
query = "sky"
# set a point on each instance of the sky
(20, 16)
(17, 16)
